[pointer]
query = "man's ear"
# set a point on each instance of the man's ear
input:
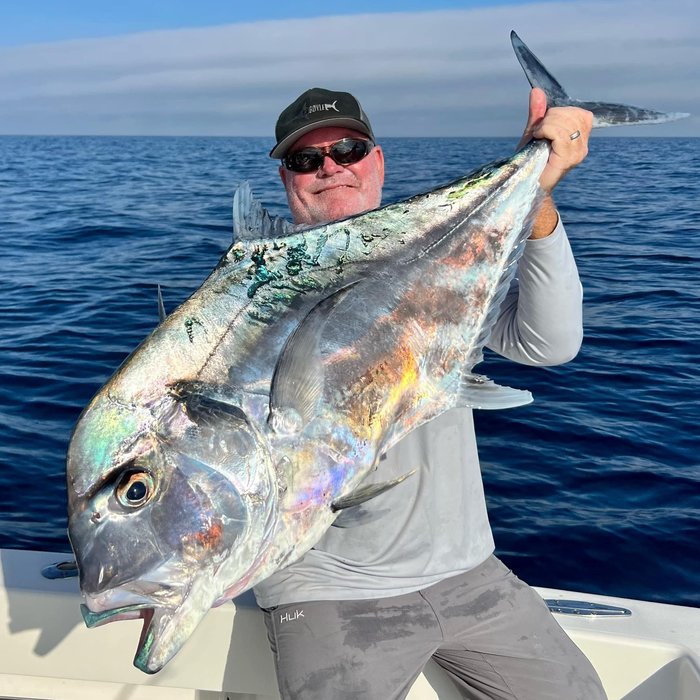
(283, 174)
(379, 155)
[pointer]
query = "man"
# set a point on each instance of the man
(361, 613)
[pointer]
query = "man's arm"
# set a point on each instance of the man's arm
(540, 322)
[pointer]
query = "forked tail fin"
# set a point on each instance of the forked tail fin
(604, 113)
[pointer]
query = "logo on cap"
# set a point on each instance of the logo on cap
(323, 107)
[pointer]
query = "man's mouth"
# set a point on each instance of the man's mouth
(334, 186)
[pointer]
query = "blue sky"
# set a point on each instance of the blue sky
(34, 21)
(439, 69)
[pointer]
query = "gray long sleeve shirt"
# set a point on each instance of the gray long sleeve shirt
(434, 525)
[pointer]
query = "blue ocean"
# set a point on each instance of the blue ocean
(593, 487)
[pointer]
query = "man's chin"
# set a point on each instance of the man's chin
(337, 203)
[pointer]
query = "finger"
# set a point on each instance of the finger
(537, 108)
(574, 117)
(565, 154)
(559, 125)
(559, 134)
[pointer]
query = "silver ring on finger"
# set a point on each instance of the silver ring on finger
(575, 135)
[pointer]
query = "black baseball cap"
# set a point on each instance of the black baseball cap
(313, 109)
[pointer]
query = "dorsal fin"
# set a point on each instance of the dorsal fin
(161, 306)
(251, 221)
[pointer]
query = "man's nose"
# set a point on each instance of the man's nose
(329, 167)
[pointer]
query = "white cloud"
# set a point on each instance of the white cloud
(432, 73)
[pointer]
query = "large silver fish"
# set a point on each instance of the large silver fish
(229, 441)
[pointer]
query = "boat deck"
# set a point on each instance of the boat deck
(48, 653)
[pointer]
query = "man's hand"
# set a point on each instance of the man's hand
(555, 124)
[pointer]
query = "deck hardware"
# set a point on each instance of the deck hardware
(63, 569)
(585, 608)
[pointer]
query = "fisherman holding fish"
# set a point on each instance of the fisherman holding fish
(302, 424)
(414, 576)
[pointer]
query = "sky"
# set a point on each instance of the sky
(419, 67)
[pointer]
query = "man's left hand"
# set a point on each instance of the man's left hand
(557, 124)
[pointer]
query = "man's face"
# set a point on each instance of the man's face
(333, 191)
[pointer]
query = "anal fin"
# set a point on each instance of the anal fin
(478, 391)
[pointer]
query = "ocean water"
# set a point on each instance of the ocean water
(594, 487)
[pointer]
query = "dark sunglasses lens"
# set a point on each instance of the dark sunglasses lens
(349, 151)
(343, 152)
(305, 161)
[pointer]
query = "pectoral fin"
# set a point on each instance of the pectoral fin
(297, 383)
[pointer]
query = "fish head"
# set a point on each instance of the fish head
(168, 503)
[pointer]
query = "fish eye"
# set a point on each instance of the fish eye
(134, 489)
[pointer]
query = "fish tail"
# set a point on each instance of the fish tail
(604, 113)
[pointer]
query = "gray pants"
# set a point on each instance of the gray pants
(491, 632)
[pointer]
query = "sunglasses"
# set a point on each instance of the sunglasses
(344, 152)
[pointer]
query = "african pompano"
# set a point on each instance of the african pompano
(227, 443)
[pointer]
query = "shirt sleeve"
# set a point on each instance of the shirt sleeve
(540, 321)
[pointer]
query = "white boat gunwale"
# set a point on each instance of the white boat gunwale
(651, 654)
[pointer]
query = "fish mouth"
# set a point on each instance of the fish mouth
(168, 617)
(162, 631)
(128, 612)
(125, 612)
